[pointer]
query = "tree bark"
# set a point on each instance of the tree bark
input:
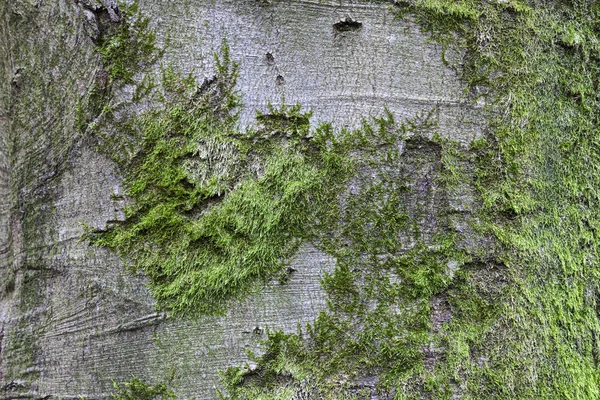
(72, 319)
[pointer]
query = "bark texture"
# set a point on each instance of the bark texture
(71, 318)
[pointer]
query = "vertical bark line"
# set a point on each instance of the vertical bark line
(1, 341)
(7, 71)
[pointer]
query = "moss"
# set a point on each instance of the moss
(378, 316)
(538, 63)
(522, 311)
(225, 208)
(137, 389)
(129, 47)
(23, 352)
(217, 211)
(412, 306)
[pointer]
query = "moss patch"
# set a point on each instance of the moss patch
(136, 389)
(396, 252)
(537, 173)
(414, 309)
(127, 47)
(513, 320)
(216, 210)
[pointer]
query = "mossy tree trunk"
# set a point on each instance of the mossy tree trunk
(152, 225)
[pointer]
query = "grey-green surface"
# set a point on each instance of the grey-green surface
(73, 319)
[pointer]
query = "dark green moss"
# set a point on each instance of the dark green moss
(136, 389)
(128, 47)
(538, 62)
(22, 350)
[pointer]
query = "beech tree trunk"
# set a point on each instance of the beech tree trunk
(72, 319)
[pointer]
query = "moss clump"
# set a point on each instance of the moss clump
(128, 47)
(378, 318)
(413, 311)
(128, 51)
(217, 210)
(136, 389)
(537, 173)
(514, 320)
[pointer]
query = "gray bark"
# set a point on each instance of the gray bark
(71, 318)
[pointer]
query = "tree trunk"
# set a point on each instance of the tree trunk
(73, 319)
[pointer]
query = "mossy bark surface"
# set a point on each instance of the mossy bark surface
(73, 319)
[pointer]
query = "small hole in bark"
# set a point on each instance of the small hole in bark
(17, 79)
(269, 59)
(279, 81)
(10, 285)
(102, 79)
(347, 24)
(286, 275)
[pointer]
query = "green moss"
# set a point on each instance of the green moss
(522, 310)
(136, 389)
(538, 62)
(23, 352)
(378, 316)
(412, 306)
(129, 47)
(217, 210)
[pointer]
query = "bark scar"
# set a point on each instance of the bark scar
(347, 24)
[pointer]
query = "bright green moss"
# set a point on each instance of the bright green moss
(522, 309)
(217, 210)
(412, 306)
(378, 316)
